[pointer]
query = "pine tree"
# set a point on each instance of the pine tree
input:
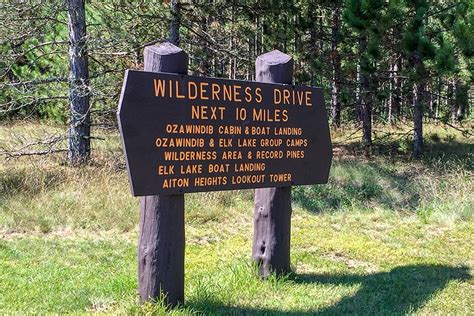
(418, 49)
(364, 18)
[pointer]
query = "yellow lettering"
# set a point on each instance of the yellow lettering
(276, 96)
(203, 91)
(159, 87)
(192, 96)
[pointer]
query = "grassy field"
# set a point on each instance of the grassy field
(387, 235)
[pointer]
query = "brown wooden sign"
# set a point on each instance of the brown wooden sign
(192, 134)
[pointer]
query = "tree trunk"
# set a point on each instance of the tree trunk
(418, 94)
(390, 97)
(161, 244)
(204, 61)
(455, 103)
(272, 213)
(79, 124)
(397, 83)
(462, 99)
(438, 99)
(418, 91)
(394, 99)
(429, 96)
(357, 110)
(336, 69)
(366, 102)
(231, 74)
(366, 113)
(175, 22)
(450, 99)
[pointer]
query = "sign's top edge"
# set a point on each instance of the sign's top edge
(127, 71)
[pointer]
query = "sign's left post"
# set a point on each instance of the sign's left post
(161, 241)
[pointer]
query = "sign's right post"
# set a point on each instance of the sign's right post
(272, 213)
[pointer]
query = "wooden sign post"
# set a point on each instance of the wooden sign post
(196, 134)
(272, 213)
(161, 244)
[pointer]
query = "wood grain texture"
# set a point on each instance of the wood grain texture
(272, 212)
(162, 238)
(161, 248)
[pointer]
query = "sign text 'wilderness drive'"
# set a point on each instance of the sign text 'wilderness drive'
(191, 134)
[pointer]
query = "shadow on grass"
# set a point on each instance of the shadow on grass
(399, 291)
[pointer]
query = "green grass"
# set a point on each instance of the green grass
(387, 235)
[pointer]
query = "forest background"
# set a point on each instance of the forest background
(379, 62)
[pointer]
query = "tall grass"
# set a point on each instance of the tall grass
(43, 194)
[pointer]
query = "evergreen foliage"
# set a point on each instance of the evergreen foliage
(368, 55)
